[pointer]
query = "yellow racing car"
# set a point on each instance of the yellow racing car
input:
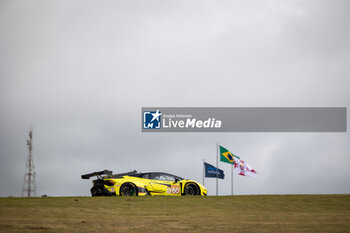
(142, 184)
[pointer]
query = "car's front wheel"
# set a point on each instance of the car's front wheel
(128, 189)
(191, 189)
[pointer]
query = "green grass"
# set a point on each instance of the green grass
(261, 213)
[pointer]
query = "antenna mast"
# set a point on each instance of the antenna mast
(29, 188)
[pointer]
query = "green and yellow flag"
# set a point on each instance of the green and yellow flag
(226, 156)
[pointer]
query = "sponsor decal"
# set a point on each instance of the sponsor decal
(175, 189)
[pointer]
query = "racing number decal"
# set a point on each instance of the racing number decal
(175, 189)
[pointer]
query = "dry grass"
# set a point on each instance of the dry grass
(262, 213)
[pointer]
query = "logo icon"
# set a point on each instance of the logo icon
(152, 120)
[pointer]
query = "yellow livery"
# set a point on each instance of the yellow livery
(142, 184)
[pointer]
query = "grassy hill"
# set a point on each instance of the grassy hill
(261, 213)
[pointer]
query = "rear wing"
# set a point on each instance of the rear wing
(98, 174)
(109, 174)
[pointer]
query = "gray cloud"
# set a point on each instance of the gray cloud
(79, 73)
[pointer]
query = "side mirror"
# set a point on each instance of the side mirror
(176, 180)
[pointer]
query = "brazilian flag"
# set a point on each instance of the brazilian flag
(226, 156)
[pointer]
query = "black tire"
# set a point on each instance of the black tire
(96, 191)
(191, 189)
(128, 189)
(99, 190)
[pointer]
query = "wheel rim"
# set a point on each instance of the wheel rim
(128, 190)
(190, 190)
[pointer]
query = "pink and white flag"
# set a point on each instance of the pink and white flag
(243, 169)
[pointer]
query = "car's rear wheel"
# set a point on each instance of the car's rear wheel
(128, 189)
(191, 189)
(96, 191)
(99, 189)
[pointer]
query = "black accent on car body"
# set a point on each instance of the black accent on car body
(132, 173)
(98, 189)
(141, 190)
(150, 175)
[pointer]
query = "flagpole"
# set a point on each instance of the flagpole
(217, 168)
(203, 171)
(232, 179)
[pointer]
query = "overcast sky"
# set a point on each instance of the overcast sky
(79, 72)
